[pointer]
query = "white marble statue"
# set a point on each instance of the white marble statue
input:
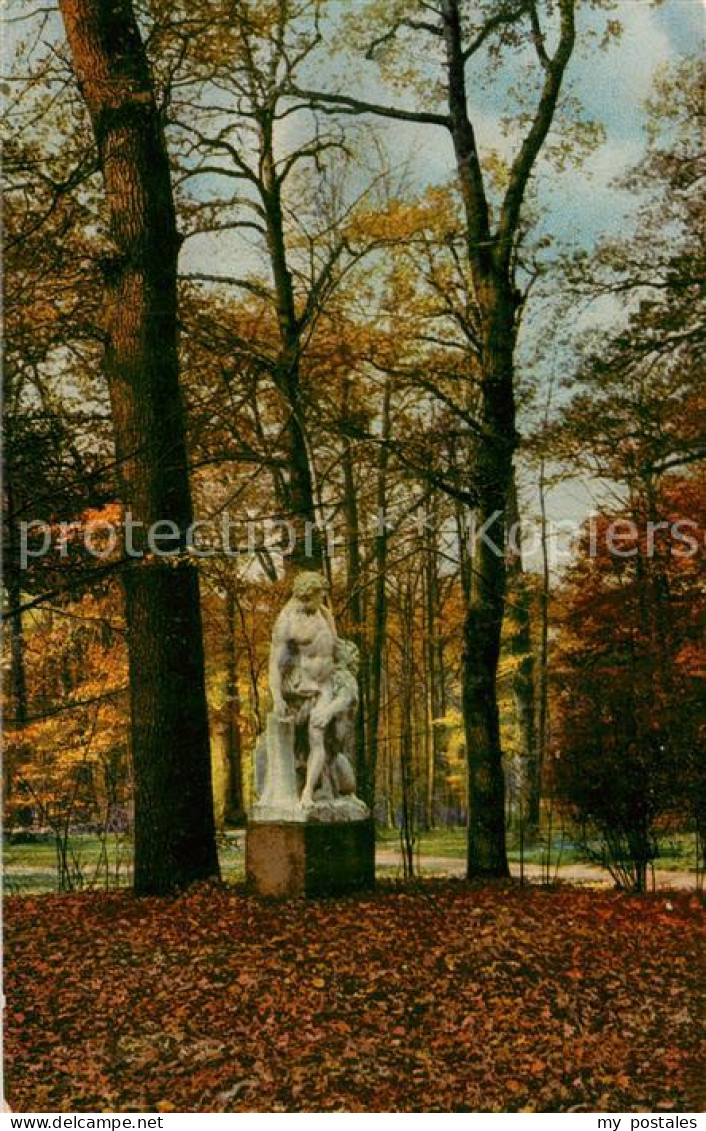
(304, 762)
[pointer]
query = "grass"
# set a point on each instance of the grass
(676, 853)
(32, 867)
(451, 843)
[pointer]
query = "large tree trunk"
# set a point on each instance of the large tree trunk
(174, 824)
(484, 617)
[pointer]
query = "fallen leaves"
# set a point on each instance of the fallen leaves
(443, 999)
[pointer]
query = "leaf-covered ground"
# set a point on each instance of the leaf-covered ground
(444, 999)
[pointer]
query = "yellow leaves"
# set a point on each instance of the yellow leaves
(77, 669)
(399, 221)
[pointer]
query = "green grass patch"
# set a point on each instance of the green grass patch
(451, 843)
(32, 867)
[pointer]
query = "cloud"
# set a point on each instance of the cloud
(614, 83)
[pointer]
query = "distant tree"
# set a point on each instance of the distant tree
(521, 650)
(637, 404)
(456, 36)
(629, 673)
(635, 420)
(54, 444)
(70, 754)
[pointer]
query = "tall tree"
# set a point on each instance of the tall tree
(233, 739)
(631, 724)
(492, 236)
(253, 166)
(523, 675)
(636, 420)
(174, 824)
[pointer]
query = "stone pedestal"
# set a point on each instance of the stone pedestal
(310, 859)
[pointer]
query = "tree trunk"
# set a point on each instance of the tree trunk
(379, 608)
(306, 551)
(465, 564)
(484, 615)
(487, 854)
(235, 806)
(408, 829)
(542, 736)
(491, 261)
(355, 610)
(18, 673)
(174, 823)
(523, 686)
(434, 664)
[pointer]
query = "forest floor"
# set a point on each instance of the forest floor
(442, 997)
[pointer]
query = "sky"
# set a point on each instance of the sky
(580, 209)
(612, 86)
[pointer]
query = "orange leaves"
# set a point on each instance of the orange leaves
(447, 1000)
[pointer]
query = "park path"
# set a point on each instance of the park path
(568, 873)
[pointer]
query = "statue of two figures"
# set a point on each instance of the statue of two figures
(304, 762)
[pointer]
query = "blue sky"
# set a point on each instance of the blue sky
(611, 85)
(580, 208)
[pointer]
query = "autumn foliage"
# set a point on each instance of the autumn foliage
(450, 999)
(629, 678)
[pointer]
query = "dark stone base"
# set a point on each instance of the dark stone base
(310, 859)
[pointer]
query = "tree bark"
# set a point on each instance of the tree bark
(355, 604)
(523, 687)
(235, 806)
(299, 505)
(174, 823)
(13, 589)
(487, 854)
(377, 646)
